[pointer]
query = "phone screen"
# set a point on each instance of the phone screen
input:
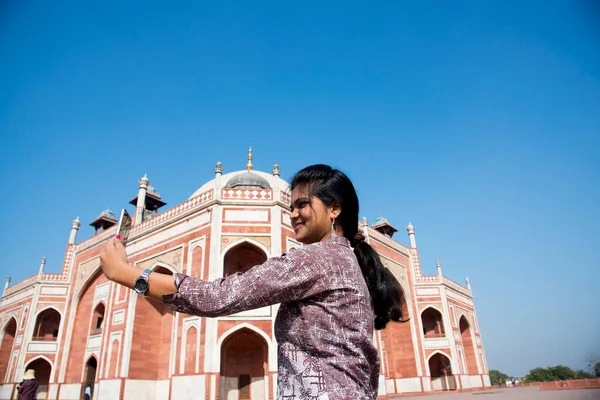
(124, 226)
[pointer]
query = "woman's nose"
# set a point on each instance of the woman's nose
(294, 215)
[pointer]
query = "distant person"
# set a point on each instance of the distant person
(28, 387)
(88, 393)
(500, 382)
(514, 383)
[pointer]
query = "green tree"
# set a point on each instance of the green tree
(556, 373)
(597, 369)
(539, 375)
(496, 375)
(562, 373)
(581, 374)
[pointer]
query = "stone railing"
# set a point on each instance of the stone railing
(428, 278)
(173, 212)
(386, 240)
(156, 220)
(453, 285)
(137, 230)
(21, 285)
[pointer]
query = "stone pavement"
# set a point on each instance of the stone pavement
(525, 393)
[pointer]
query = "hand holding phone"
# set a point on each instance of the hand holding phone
(124, 226)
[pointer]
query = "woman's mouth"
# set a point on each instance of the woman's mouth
(298, 225)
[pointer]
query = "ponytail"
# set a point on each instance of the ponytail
(385, 291)
(331, 186)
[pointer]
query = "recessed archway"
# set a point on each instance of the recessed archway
(467, 341)
(8, 339)
(244, 366)
(89, 378)
(81, 329)
(433, 324)
(242, 257)
(98, 319)
(440, 370)
(47, 325)
(43, 370)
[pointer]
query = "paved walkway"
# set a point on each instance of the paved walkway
(525, 393)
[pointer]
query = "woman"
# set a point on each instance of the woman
(28, 387)
(329, 293)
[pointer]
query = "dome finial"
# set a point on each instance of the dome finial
(276, 170)
(249, 165)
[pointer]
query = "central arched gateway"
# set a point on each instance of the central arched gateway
(440, 370)
(244, 366)
(42, 369)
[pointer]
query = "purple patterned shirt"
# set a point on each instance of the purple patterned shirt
(324, 327)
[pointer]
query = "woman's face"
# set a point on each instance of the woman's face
(311, 218)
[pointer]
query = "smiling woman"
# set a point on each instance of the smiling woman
(340, 292)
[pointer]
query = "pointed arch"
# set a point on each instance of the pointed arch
(89, 376)
(10, 319)
(94, 274)
(191, 349)
(245, 240)
(440, 371)
(196, 255)
(242, 255)
(243, 325)
(244, 365)
(432, 322)
(442, 352)
(47, 324)
(9, 332)
(44, 371)
(114, 358)
(98, 317)
(82, 311)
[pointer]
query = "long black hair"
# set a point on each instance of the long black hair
(333, 186)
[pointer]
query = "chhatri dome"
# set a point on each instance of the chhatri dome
(245, 179)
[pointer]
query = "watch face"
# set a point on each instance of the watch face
(140, 285)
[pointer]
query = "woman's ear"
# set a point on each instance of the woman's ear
(335, 210)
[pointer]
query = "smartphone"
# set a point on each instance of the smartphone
(124, 226)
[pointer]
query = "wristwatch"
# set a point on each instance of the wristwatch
(141, 283)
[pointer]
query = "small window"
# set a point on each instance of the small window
(97, 319)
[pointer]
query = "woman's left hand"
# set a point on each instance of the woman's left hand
(113, 258)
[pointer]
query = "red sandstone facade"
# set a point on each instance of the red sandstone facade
(76, 329)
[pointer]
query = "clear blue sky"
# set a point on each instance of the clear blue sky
(478, 122)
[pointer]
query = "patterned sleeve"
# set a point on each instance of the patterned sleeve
(280, 279)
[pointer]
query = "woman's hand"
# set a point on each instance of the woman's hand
(113, 259)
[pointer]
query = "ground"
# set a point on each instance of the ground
(525, 393)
